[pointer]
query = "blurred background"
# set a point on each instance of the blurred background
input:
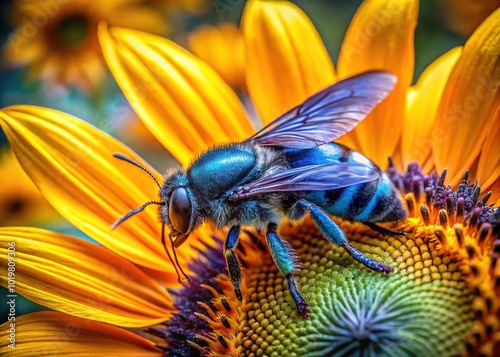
(50, 57)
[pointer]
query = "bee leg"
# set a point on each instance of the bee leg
(382, 230)
(285, 258)
(233, 265)
(335, 235)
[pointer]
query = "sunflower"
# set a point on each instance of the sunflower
(442, 298)
(57, 40)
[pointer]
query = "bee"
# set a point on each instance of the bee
(288, 169)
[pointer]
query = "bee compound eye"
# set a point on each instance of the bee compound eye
(180, 210)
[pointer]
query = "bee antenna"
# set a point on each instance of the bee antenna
(130, 161)
(175, 255)
(134, 211)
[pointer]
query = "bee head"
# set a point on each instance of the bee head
(180, 211)
(176, 211)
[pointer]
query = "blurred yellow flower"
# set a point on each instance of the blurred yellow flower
(464, 16)
(222, 48)
(443, 297)
(196, 6)
(57, 40)
(20, 201)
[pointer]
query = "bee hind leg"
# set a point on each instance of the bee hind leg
(383, 230)
(335, 235)
(285, 259)
(233, 265)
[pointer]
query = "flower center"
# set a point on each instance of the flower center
(15, 206)
(73, 30)
(439, 301)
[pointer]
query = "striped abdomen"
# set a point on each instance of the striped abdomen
(374, 201)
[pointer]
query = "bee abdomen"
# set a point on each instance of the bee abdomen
(375, 201)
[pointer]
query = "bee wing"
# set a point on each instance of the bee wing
(308, 178)
(329, 113)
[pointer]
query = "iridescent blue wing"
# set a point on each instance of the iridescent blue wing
(329, 113)
(308, 178)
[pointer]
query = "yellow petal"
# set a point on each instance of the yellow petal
(50, 333)
(181, 100)
(286, 59)
(80, 278)
(488, 170)
(380, 36)
(421, 107)
(72, 164)
(470, 102)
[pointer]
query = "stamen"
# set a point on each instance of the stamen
(473, 268)
(476, 212)
(493, 265)
(443, 218)
(486, 197)
(418, 187)
(410, 203)
(429, 195)
(460, 210)
(442, 177)
(222, 341)
(475, 194)
(459, 233)
(225, 304)
(441, 236)
(205, 318)
(471, 252)
(465, 179)
(224, 321)
(450, 207)
(484, 232)
(195, 345)
(424, 212)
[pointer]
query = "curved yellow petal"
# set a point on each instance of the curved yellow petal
(72, 164)
(488, 169)
(80, 278)
(421, 106)
(470, 103)
(181, 100)
(50, 333)
(380, 36)
(286, 58)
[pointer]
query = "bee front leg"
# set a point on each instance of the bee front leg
(334, 234)
(233, 265)
(285, 258)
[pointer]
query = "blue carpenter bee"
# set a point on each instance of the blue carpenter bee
(286, 170)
